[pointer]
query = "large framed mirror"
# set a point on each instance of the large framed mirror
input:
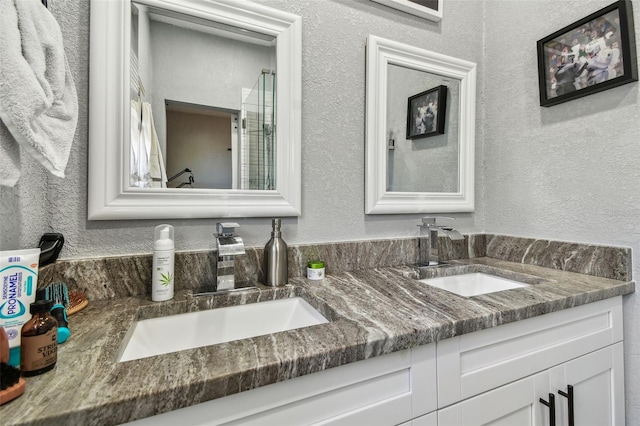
(420, 130)
(195, 110)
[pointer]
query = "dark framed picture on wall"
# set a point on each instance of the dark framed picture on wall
(426, 113)
(593, 54)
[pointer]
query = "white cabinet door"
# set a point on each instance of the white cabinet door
(598, 395)
(598, 388)
(513, 404)
(477, 362)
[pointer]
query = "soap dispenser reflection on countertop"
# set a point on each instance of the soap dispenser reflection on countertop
(275, 258)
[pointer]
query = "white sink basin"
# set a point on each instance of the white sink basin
(175, 333)
(473, 284)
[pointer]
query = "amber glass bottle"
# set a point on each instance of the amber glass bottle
(39, 340)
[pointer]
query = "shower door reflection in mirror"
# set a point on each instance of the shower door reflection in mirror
(206, 126)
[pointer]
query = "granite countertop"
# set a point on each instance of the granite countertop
(371, 312)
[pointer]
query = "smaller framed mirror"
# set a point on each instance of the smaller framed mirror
(420, 130)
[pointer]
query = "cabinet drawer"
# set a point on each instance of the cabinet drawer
(474, 363)
(384, 390)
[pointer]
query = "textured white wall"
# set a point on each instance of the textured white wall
(334, 35)
(567, 172)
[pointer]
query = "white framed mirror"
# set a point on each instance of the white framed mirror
(414, 165)
(203, 185)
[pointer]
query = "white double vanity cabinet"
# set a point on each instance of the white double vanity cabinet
(504, 375)
(499, 376)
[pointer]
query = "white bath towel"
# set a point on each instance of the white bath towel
(156, 160)
(9, 157)
(139, 167)
(38, 100)
(147, 161)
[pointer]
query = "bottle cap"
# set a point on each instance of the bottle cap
(40, 306)
(315, 264)
(275, 223)
(163, 235)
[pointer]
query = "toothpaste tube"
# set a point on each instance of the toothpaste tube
(18, 284)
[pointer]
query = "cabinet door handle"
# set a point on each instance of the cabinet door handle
(569, 395)
(552, 408)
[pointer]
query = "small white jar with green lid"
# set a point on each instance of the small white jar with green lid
(315, 270)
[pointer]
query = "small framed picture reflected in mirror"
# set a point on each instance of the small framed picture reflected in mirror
(426, 113)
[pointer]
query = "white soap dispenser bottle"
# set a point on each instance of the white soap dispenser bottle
(163, 260)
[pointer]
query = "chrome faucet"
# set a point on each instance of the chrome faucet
(229, 246)
(428, 249)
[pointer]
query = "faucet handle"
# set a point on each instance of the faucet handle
(431, 220)
(226, 228)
